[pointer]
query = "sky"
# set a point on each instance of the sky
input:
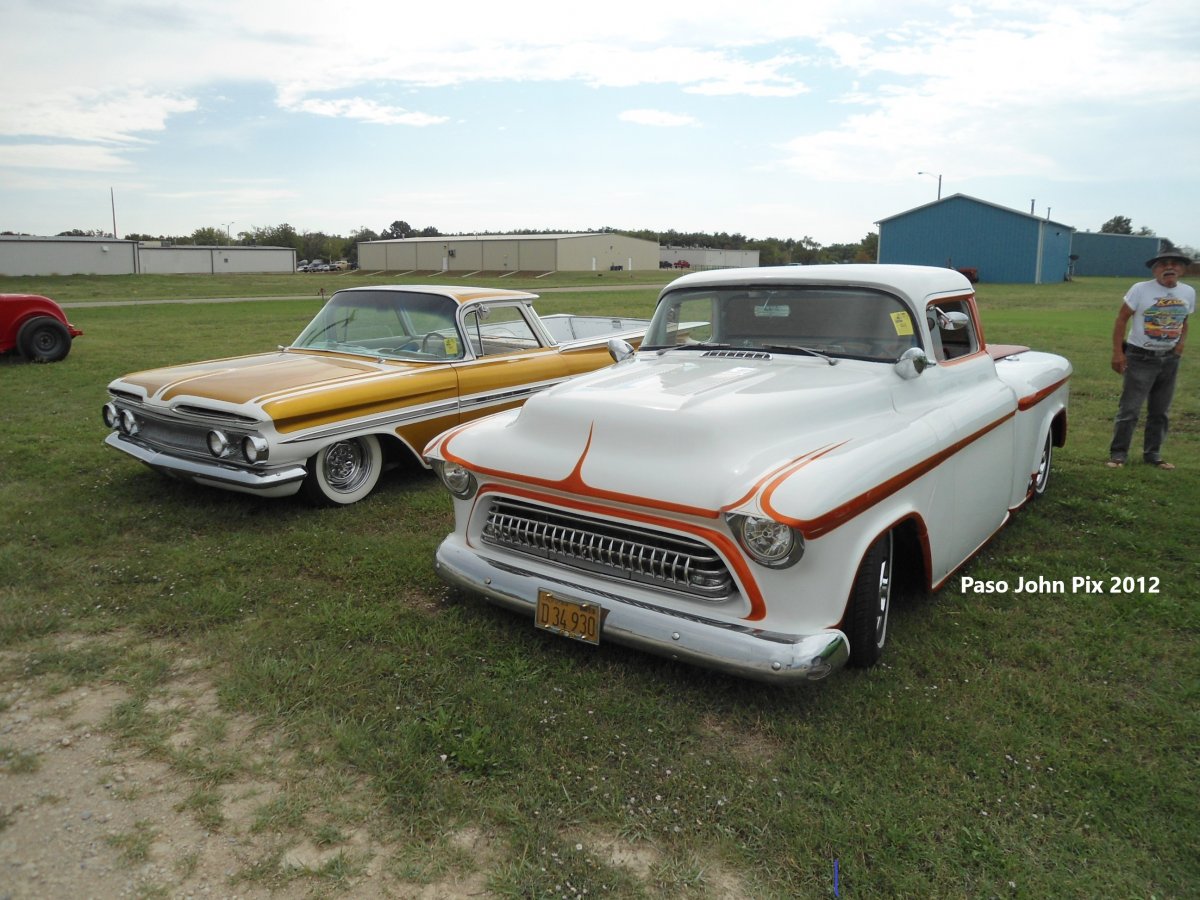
(771, 119)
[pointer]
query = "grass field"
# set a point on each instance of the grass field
(1010, 745)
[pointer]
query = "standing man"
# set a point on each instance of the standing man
(1149, 358)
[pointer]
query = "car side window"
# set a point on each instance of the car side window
(499, 329)
(691, 322)
(953, 329)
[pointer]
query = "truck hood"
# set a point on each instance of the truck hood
(254, 380)
(683, 430)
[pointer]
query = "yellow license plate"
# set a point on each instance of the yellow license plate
(569, 618)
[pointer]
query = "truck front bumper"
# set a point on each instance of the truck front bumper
(736, 649)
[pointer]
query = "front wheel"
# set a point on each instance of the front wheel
(44, 339)
(344, 472)
(870, 601)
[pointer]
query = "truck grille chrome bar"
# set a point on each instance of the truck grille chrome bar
(621, 551)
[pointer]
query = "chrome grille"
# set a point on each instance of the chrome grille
(175, 435)
(169, 433)
(628, 552)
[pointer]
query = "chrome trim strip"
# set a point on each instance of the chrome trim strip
(413, 414)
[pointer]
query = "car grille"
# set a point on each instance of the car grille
(181, 435)
(166, 433)
(620, 551)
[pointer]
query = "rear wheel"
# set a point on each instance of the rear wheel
(866, 619)
(344, 472)
(44, 339)
(1042, 477)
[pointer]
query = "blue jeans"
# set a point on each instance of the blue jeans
(1149, 380)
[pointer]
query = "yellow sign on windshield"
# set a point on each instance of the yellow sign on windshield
(902, 322)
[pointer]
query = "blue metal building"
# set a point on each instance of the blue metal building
(1003, 245)
(1113, 254)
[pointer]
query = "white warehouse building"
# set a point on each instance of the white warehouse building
(27, 255)
(502, 253)
(708, 258)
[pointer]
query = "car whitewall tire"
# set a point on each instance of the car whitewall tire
(345, 471)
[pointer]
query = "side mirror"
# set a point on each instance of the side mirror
(948, 321)
(912, 363)
(620, 350)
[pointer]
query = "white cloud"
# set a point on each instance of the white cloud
(656, 117)
(363, 110)
(72, 157)
(89, 114)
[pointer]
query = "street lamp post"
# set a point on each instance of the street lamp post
(228, 238)
(938, 177)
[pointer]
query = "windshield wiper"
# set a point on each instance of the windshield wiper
(793, 348)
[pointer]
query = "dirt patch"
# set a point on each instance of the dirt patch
(108, 794)
(87, 813)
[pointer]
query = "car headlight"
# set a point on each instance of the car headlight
(255, 448)
(218, 444)
(128, 422)
(767, 542)
(112, 416)
(458, 480)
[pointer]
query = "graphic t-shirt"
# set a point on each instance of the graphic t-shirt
(1159, 313)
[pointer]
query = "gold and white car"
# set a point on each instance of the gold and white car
(377, 374)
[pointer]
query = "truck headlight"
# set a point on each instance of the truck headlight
(458, 480)
(767, 542)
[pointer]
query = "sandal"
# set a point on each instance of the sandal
(1164, 465)
(1115, 464)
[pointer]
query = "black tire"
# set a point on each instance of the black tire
(344, 472)
(44, 339)
(870, 603)
(1042, 477)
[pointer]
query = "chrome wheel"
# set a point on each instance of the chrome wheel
(1042, 478)
(344, 472)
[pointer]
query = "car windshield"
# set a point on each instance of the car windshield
(807, 320)
(390, 324)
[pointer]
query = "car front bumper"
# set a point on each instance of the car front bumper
(736, 649)
(278, 482)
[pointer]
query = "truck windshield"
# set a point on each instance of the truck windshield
(843, 322)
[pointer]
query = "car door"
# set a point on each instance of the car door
(507, 360)
(976, 415)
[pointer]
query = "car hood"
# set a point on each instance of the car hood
(686, 431)
(256, 380)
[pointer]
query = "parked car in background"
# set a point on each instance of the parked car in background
(35, 327)
(742, 492)
(368, 383)
(682, 264)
